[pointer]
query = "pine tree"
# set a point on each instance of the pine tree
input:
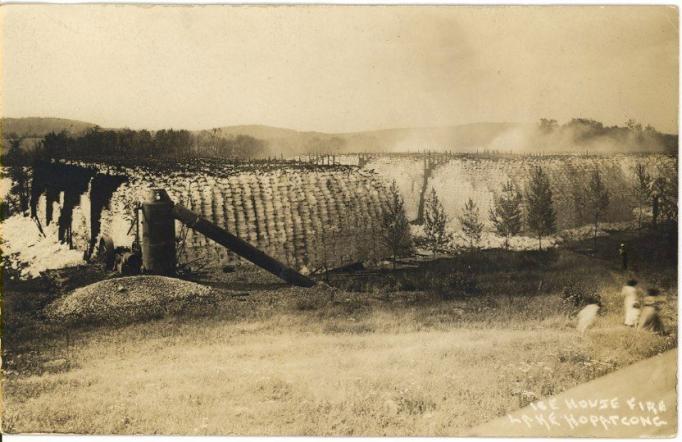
(396, 228)
(435, 223)
(597, 200)
(577, 193)
(642, 189)
(16, 158)
(472, 227)
(671, 194)
(506, 213)
(541, 213)
(666, 192)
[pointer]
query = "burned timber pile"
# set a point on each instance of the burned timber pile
(309, 218)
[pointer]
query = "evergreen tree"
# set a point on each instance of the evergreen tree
(396, 228)
(578, 194)
(597, 200)
(642, 189)
(506, 213)
(666, 189)
(435, 223)
(541, 213)
(16, 158)
(472, 227)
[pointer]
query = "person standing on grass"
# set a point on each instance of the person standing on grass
(650, 318)
(631, 303)
(623, 256)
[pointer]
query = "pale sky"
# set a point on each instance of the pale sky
(338, 69)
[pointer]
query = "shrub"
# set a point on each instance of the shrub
(348, 328)
(457, 284)
(408, 285)
(310, 303)
(576, 295)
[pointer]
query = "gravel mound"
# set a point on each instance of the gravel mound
(128, 299)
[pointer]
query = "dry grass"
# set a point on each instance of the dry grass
(377, 372)
(287, 361)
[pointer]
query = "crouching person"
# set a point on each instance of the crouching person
(587, 317)
(650, 318)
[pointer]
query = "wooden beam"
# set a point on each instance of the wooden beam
(240, 247)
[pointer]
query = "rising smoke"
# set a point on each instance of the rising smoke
(578, 135)
(583, 135)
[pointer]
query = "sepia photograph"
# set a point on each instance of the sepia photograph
(339, 220)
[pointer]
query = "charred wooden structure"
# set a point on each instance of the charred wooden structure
(158, 240)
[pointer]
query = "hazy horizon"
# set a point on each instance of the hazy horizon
(339, 69)
(270, 126)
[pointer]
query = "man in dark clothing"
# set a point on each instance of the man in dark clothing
(654, 208)
(623, 256)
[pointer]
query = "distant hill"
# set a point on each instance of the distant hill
(289, 141)
(36, 127)
(575, 135)
(259, 131)
(455, 138)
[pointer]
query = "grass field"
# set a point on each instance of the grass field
(379, 358)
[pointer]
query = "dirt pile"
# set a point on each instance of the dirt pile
(128, 299)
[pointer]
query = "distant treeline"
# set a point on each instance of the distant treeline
(546, 136)
(127, 144)
(588, 133)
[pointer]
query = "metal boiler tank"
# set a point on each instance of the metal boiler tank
(158, 234)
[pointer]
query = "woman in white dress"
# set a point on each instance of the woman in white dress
(631, 303)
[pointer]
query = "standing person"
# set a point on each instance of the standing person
(650, 319)
(623, 256)
(631, 303)
(654, 207)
